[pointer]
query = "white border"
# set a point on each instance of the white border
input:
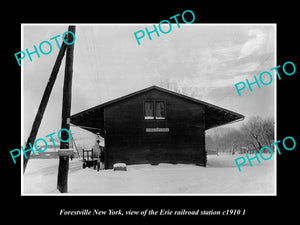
(142, 24)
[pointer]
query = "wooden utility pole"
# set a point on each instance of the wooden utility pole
(63, 169)
(43, 104)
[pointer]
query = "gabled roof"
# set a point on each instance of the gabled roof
(214, 115)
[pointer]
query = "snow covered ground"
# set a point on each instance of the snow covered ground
(221, 177)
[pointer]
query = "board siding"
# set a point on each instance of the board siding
(128, 142)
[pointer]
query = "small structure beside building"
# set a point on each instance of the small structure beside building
(50, 153)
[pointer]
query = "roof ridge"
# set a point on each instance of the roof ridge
(160, 89)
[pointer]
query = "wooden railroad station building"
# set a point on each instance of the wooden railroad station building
(154, 125)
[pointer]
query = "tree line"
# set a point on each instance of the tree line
(254, 134)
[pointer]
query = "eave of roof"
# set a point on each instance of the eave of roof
(230, 115)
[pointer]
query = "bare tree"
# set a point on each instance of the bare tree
(253, 129)
(181, 87)
(268, 128)
(253, 135)
(260, 131)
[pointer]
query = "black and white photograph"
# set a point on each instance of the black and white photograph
(166, 109)
(142, 113)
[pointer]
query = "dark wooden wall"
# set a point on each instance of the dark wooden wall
(128, 142)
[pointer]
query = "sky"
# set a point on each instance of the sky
(205, 60)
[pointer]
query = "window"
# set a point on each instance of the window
(159, 112)
(149, 110)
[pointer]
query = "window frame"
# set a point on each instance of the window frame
(145, 110)
(154, 110)
(155, 116)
